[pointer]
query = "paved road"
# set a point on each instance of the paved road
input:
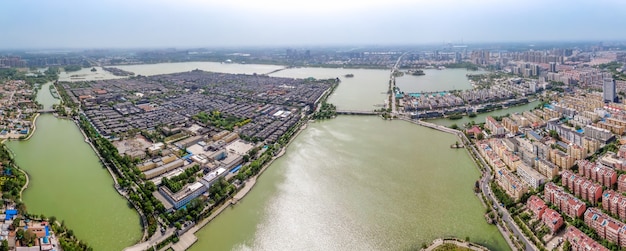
(393, 85)
(506, 217)
(156, 238)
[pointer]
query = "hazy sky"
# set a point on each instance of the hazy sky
(206, 23)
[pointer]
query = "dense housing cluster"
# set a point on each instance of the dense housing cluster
(177, 127)
(573, 142)
(261, 107)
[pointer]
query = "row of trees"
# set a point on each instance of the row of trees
(65, 98)
(12, 179)
(327, 111)
(128, 175)
(502, 196)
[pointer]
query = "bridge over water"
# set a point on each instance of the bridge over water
(46, 111)
(356, 112)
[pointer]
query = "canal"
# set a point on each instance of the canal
(480, 118)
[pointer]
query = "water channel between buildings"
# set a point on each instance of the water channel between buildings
(353, 182)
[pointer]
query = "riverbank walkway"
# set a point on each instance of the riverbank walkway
(461, 243)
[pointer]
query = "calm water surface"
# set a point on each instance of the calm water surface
(349, 183)
(68, 181)
(436, 80)
(357, 183)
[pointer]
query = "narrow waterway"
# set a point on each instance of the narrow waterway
(68, 181)
(480, 118)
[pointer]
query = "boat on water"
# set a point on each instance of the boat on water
(349, 75)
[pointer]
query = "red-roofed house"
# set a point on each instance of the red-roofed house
(474, 131)
(536, 205)
(581, 242)
(552, 219)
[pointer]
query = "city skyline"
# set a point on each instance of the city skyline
(193, 23)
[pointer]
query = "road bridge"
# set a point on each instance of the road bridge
(356, 112)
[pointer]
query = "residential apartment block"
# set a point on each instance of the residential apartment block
(513, 186)
(561, 159)
(547, 169)
(597, 172)
(621, 183)
(494, 126)
(581, 242)
(582, 187)
(605, 226)
(536, 205)
(615, 203)
(566, 202)
(530, 176)
(552, 219)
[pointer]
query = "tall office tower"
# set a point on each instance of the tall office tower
(457, 57)
(608, 90)
(552, 66)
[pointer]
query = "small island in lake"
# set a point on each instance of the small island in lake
(416, 72)
(118, 72)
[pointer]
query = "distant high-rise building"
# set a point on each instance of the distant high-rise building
(457, 57)
(535, 70)
(568, 52)
(552, 66)
(608, 90)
